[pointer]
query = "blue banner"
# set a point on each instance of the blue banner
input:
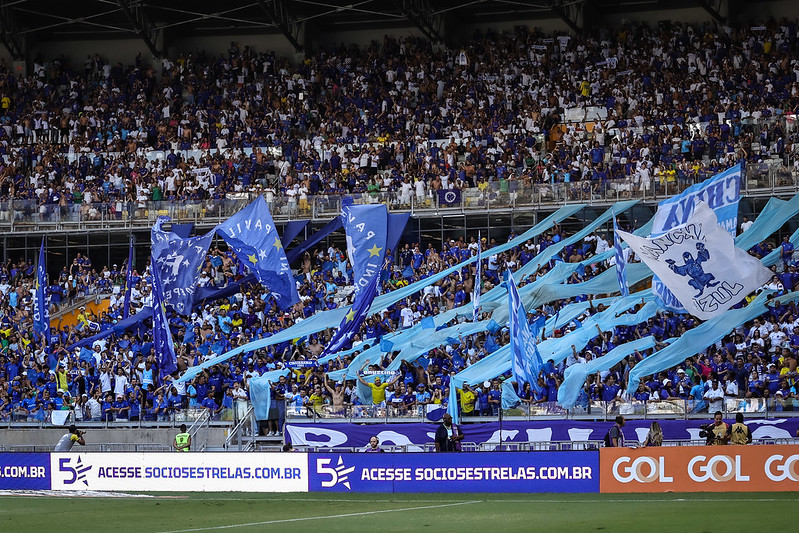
(367, 231)
(128, 277)
(162, 336)
(178, 262)
(449, 197)
(454, 472)
(24, 471)
(251, 233)
(351, 323)
(41, 310)
(526, 359)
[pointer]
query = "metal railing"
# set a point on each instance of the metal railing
(45, 419)
(246, 426)
(595, 410)
(762, 179)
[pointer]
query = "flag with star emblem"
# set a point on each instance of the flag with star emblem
(251, 233)
(162, 336)
(41, 311)
(367, 231)
(178, 262)
(352, 321)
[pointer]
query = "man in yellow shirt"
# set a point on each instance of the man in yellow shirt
(468, 399)
(378, 387)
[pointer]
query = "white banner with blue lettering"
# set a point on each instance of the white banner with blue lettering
(699, 262)
(721, 193)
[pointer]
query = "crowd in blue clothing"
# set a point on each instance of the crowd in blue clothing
(364, 121)
(666, 106)
(117, 377)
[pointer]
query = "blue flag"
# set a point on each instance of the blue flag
(177, 262)
(352, 321)
(449, 197)
(128, 276)
(621, 264)
(162, 336)
(86, 355)
(478, 280)
(251, 233)
(367, 231)
(41, 312)
(524, 352)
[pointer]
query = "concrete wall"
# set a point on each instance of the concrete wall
(94, 436)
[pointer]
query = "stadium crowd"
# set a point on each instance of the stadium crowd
(630, 109)
(677, 100)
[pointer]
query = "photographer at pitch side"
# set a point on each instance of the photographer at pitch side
(719, 430)
(68, 440)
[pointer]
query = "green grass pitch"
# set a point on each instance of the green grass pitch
(499, 513)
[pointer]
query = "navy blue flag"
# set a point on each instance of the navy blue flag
(449, 197)
(524, 352)
(41, 311)
(162, 336)
(251, 233)
(352, 321)
(178, 263)
(367, 232)
(621, 264)
(128, 276)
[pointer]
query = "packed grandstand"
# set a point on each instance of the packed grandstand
(624, 113)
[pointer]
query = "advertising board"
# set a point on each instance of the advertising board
(196, 472)
(700, 469)
(455, 472)
(24, 471)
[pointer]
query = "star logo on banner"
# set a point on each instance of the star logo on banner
(253, 258)
(374, 251)
(350, 316)
(262, 254)
(278, 244)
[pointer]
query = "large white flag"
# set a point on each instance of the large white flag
(699, 262)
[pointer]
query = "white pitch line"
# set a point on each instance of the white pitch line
(366, 513)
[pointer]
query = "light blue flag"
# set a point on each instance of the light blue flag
(41, 311)
(162, 336)
(178, 262)
(478, 280)
(128, 276)
(366, 227)
(621, 264)
(526, 359)
(251, 233)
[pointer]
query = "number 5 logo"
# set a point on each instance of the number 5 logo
(339, 474)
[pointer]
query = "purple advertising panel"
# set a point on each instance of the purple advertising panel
(410, 434)
(455, 472)
(24, 471)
